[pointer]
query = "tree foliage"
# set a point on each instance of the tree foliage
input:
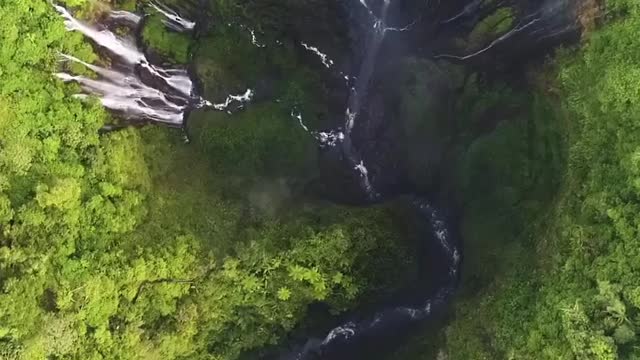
(577, 297)
(128, 245)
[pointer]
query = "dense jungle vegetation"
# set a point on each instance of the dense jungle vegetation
(552, 267)
(133, 244)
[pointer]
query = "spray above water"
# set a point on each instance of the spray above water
(133, 87)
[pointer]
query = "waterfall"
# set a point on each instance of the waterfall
(132, 86)
(342, 137)
(384, 322)
(127, 94)
(125, 16)
(172, 19)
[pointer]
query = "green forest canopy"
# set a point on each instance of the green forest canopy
(579, 296)
(128, 245)
(133, 245)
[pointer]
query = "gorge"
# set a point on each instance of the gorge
(298, 179)
(139, 90)
(147, 92)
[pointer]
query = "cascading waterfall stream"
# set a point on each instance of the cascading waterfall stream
(172, 19)
(133, 87)
(359, 93)
(547, 21)
(342, 137)
(383, 322)
(125, 16)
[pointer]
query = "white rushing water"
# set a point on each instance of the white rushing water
(104, 38)
(173, 20)
(330, 138)
(126, 16)
(366, 6)
(364, 174)
(326, 61)
(508, 35)
(358, 92)
(548, 21)
(162, 95)
(365, 333)
(466, 11)
(240, 99)
(127, 94)
(254, 39)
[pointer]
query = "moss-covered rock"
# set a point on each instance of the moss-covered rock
(169, 44)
